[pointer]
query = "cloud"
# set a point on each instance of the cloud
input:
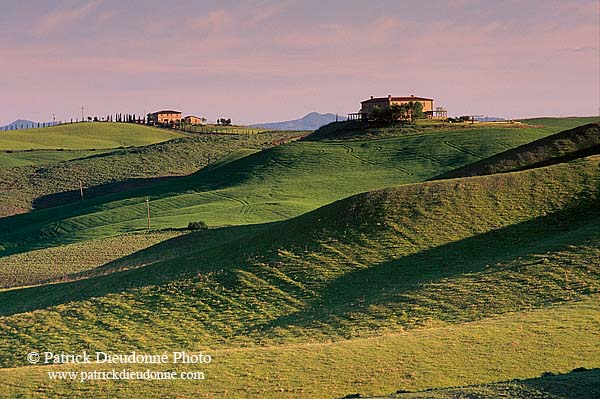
(374, 34)
(268, 12)
(57, 20)
(218, 21)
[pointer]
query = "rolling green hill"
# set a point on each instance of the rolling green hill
(11, 159)
(333, 266)
(84, 136)
(556, 339)
(55, 263)
(562, 123)
(42, 186)
(334, 271)
(358, 130)
(496, 276)
(271, 185)
(560, 147)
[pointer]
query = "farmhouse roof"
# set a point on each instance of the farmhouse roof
(385, 99)
(167, 111)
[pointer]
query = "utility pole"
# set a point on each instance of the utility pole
(81, 189)
(82, 113)
(148, 211)
(53, 119)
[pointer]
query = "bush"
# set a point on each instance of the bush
(197, 226)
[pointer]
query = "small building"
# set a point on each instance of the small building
(367, 106)
(440, 113)
(192, 120)
(165, 116)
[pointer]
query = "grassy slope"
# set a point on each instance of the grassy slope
(555, 339)
(49, 185)
(356, 247)
(12, 159)
(358, 267)
(81, 136)
(569, 144)
(357, 130)
(272, 185)
(54, 263)
(561, 124)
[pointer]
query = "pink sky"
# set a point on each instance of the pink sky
(256, 61)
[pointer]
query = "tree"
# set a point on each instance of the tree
(407, 112)
(415, 110)
(197, 226)
(388, 116)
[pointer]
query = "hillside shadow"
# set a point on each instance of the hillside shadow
(372, 285)
(565, 146)
(74, 196)
(579, 383)
(388, 283)
(150, 271)
(37, 230)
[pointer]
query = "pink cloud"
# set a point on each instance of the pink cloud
(267, 12)
(218, 21)
(57, 20)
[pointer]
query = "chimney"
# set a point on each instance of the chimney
(412, 95)
(371, 97)
(389, 97)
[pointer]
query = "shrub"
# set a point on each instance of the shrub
(197, 226)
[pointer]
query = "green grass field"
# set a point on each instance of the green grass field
(53, 264)
(271, 185)
(562, 123)
(41, 186)
(560, 147)
(11, 159)
(234, 129)
(84, 136)
(330, 273)
(520, 345)
(332, 268)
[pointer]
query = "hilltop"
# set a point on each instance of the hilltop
(561, 123)
(88, 135)
(360, 130)
(311, 121)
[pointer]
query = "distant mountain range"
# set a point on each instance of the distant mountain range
(24, 124)
(312, 121)
(489, 119)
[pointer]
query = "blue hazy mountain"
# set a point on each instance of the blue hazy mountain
(24, 124)
(489, 119)
(312, 121)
